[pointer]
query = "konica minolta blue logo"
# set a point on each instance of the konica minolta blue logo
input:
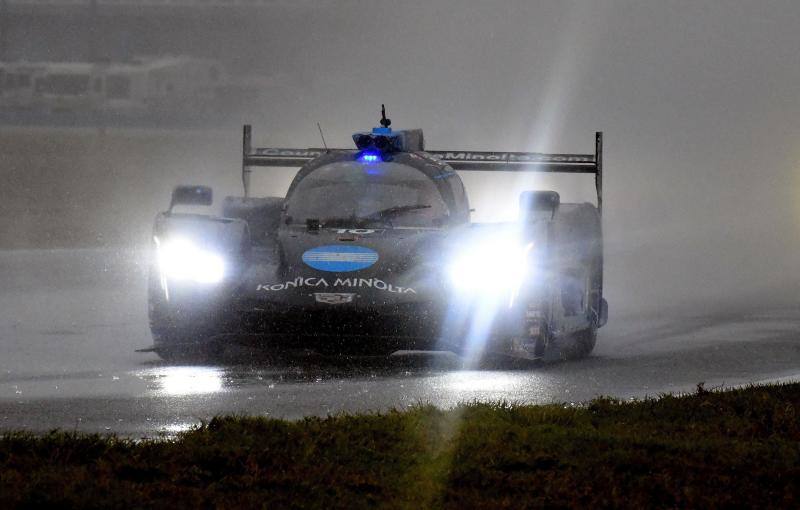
(340, 258)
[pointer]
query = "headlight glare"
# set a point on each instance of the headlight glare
(490, 268)
(180, 259)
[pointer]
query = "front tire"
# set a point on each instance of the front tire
(181, 345)
(193, 354)
(175, 340)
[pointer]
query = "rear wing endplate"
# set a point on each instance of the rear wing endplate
(458, 160)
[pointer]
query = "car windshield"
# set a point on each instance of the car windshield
(351, 193)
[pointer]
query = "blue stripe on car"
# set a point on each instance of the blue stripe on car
(340, 258)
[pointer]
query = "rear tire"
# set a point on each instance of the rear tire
(578, 345)
(497, 361)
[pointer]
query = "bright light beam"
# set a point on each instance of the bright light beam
(180, 259)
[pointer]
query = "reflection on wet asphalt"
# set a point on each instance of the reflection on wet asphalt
(155, 397)
(67, 360)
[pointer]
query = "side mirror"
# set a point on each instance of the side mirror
(191, 195)
(534, 204)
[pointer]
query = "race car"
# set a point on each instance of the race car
(372, 251)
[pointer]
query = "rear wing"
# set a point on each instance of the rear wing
(458, 160)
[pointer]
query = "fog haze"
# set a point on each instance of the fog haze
(698, 102)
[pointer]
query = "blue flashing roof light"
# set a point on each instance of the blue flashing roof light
(368, 157)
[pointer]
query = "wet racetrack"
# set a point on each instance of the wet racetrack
(70, 321)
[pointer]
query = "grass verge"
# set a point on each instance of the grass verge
(738, 448)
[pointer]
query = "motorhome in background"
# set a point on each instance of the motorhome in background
(181, 84)
(157, 86)
(67, 87)
(17, 84)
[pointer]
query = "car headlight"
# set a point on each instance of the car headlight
(180, 259)
(491, 267)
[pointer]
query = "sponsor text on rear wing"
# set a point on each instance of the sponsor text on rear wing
(458, 160)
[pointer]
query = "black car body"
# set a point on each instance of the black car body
(372, 251)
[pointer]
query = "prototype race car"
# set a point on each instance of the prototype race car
(372, 251)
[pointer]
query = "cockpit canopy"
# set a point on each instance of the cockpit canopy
(357, 194)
